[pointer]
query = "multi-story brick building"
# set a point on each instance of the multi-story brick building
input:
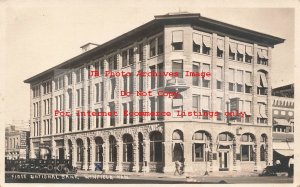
(283, 123)
(16, 143)
(239, 61)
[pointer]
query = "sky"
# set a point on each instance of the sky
(40, 35)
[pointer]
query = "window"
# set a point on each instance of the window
(196, 104)
(206, 79)
(112, 117)
(152, 47)
(225, 137)
(152, 106)
(239, 84)
(196, 79)
(160, 41)
(240, 52)
(47, 87)
(113, 87)
(248, 85)
(153, 78)
(247, 153)
(262, 116)
(160, 106)
(141, 52)
(262, 56)
(197, 42)
(160, 79)
(36, 91)
(219, 77)
(205, 106)
(219, 105)
(127, 148)
(69, 77)
(249, 54)
(232, 51)
(198, 149)
(177, 40)
(231, 79)
(124, 58)
(141, 82)
(247, 109)
(70, 123)
(89, 95)
(131, 55)
(97, 92)
(112, 149)
(263, 150)
(206, 45)
(124, 116)
(141, 110)
(156, 148)
(262, 84)
(80, 150)
(102, 68)
(220, 48)
(131, 82)
(177, 66)
(102, 92)
(99, 149)
(79, 75)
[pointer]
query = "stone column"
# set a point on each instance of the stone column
(85, 154)
(119, 166)
(135, 167)
(74, 153)
(187, 147)
(53, 145)
(169, 166)
(146, 147)
(66, 148)
(106, 155)
(256, 157)
(92, 153)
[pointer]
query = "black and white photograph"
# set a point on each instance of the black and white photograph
(148, 92)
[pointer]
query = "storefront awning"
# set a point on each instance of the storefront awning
(282, 122)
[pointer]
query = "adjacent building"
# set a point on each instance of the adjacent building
(239, 61)
(16, 142)
(283, 123)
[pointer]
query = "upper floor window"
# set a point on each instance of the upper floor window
(197, 42)
(141, 52)
(248, 85)
(47, 87)
(160, 44)
(219, 77)
(206, 45)
(247, 109)
(152, 47)
(239, 81)
(69, 77)
(262, 84)
(240, 52)
(124, 58)
(177, 40)
(79, 75)
(220, 48)
(262, 116)
(232, 51)
(36, 91)
(231, 79)
(177, 66)
(249, 54)
(262, 56)
(59, 83)
(112, 63)
(196, 68)
(206, 79)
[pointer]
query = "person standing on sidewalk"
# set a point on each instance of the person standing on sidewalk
(291, 167)
(177, 167)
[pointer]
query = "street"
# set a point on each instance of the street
(26, 177)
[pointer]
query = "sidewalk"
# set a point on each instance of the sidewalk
(171, 175)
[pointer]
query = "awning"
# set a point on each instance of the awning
(197, 38)
(220, 44)
(248, 79)
(207, 41)
(219, 74)
(264, 80)
(241, 49)
(262, 111)
(177, 102)
(259, 53)
(205, 103)
(265, 54)
(282, 122)
(248, 108)
(239, 77)
(205, 68)
(232, 47)
(285, 152)
(177, 36)
(249, 50)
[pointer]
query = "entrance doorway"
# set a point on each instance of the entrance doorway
(223, 160)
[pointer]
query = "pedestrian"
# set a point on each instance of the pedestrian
(291, 167)
(177, 167)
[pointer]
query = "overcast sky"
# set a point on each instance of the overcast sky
(41, 35)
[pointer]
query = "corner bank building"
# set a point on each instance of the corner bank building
(239, 60)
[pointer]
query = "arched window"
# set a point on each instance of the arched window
(99, 149)
(79, 150)
(127, 148)
(156, 139)
(200, 146)
(177, 144)
(112, 149)
(247, 147)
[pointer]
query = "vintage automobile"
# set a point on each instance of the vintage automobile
(273, 170)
